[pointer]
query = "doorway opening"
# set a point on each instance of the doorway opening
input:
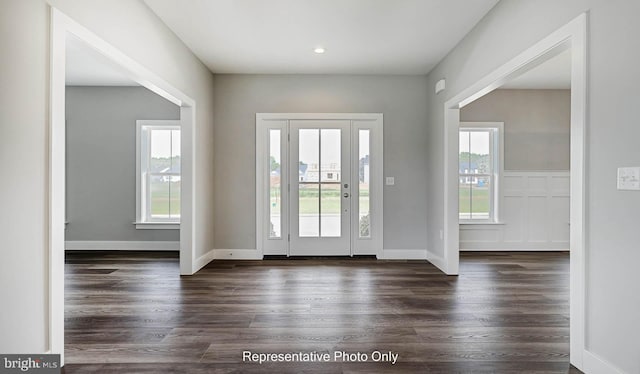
(123, 172)
(570, 37)
(319, 184)
(63, 28)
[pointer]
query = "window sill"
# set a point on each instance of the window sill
(157, 225)
(481, 223)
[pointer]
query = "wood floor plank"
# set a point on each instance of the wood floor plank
(131, 312)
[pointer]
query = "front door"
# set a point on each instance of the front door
(319, 184)
(320, 187)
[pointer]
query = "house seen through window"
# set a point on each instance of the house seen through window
(159, 171)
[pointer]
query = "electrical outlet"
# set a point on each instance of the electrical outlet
(390, 181)
(629, 179)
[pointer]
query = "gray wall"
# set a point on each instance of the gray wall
(101, 167)
(536, 126)
(400, 98)
(613, 305)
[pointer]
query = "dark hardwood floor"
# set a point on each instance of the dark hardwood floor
(133, 313)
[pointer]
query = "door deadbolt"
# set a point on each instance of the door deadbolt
(346, 194)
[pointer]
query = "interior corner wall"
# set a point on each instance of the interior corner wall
(400, 98)
(101, 161)
(612, 254)
(24, 126)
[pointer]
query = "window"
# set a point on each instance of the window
(479, 171)
(158, 174)
(364, 141)
(275, 183)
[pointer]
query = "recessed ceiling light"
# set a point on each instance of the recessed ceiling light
(319, 50)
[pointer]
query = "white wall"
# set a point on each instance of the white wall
(613, 305)
(24, 31)
(23, 147)
(534, 215)
(401, 100)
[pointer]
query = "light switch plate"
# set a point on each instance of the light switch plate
(391, 181)
(629, 179)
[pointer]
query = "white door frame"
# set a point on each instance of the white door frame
(573, 35)
(61, 26)
(372, 121)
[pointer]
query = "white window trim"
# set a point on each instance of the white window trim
(141, 222)
(498, 172)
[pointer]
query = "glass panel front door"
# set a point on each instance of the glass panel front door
(320, 187)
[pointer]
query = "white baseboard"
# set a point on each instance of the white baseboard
(403, 254)
(97, 245)
(203, 260)
(253, 254)
(596, 365)
(437, 261)
(237, 254)
(514, 250)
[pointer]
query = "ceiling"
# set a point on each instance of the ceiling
(554, 73)
(360, 36)
(87, 67)
(367, 50)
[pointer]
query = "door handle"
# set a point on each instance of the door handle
(346, 194)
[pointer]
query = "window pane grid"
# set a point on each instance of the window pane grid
(319, 198)
(476, 173)
(161, 173)
(163, 197)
